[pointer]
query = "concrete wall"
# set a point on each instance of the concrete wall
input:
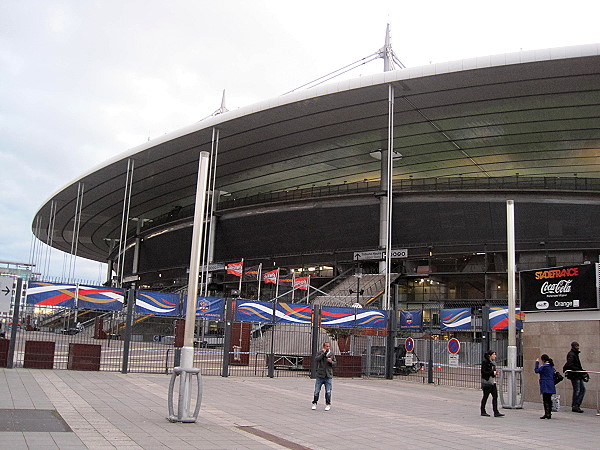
(551, 333)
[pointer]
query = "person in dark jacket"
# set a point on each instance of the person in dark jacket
(488, 383)
(325, 363)
(575, 373)
(547, 387)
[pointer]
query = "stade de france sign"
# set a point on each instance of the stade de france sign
(379, 255)
(568, 288)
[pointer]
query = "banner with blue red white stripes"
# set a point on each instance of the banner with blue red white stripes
(499, 318)
(100, 298)
(42, 293)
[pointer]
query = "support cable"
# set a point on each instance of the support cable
(125, 219)
(335, 73)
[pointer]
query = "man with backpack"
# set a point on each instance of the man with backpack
(574, 372)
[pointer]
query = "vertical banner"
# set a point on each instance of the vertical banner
(411, 320)
(210, 308)
(455, 319)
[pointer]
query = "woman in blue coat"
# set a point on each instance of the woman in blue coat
(547, 388)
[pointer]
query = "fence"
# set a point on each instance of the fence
(264, 339)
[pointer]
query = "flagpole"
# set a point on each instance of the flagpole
(259, 279)
(277, 284)
(241, 276)
(293, 285)
(308, 289)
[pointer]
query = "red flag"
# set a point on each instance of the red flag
(302, 283)
(235, 268)
(270, 277)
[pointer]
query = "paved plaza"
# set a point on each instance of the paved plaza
(106, 410)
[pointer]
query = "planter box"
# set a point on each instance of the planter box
(4, 343)
(39, 355)
(84, 357)
(348, 366)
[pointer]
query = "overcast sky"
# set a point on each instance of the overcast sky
(82, 81)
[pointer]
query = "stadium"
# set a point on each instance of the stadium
(298, 182)
(387, 191)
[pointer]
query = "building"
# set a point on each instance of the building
(300, 180)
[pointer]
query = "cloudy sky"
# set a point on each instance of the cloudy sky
(82, 80)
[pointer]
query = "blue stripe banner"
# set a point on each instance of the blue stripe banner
(455, 319)
(158, 303)
(332, 316)
(294, 313)
(411, 320)
(253, 311)
(42, 293)
(100, 298)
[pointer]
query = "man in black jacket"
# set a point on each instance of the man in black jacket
(575, 373)
(325, 363)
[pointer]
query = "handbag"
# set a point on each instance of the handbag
(486, 383)
(557, 377)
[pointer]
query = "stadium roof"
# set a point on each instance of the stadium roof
(532, 113)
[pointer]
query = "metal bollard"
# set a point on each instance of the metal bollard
(515, 400)
(185, 393)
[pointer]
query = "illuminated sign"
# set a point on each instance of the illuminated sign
(571, 288)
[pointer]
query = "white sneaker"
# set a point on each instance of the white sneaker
(314, 406)
(328, 407)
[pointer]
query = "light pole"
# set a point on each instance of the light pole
(186, 370)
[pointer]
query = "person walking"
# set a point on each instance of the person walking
(325, 364)
(547, 387)
(488, 383)
(574, 372)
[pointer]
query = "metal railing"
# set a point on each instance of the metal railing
(516, 182)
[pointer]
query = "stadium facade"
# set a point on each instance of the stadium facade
(299, 181)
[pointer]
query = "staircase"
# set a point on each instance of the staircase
(372, 286)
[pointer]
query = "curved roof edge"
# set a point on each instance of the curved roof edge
(480, 62)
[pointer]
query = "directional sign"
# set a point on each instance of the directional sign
(453, 346)
(379, 255)
(6, 292)
(409, 344)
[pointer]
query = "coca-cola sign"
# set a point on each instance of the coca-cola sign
(571, 288)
